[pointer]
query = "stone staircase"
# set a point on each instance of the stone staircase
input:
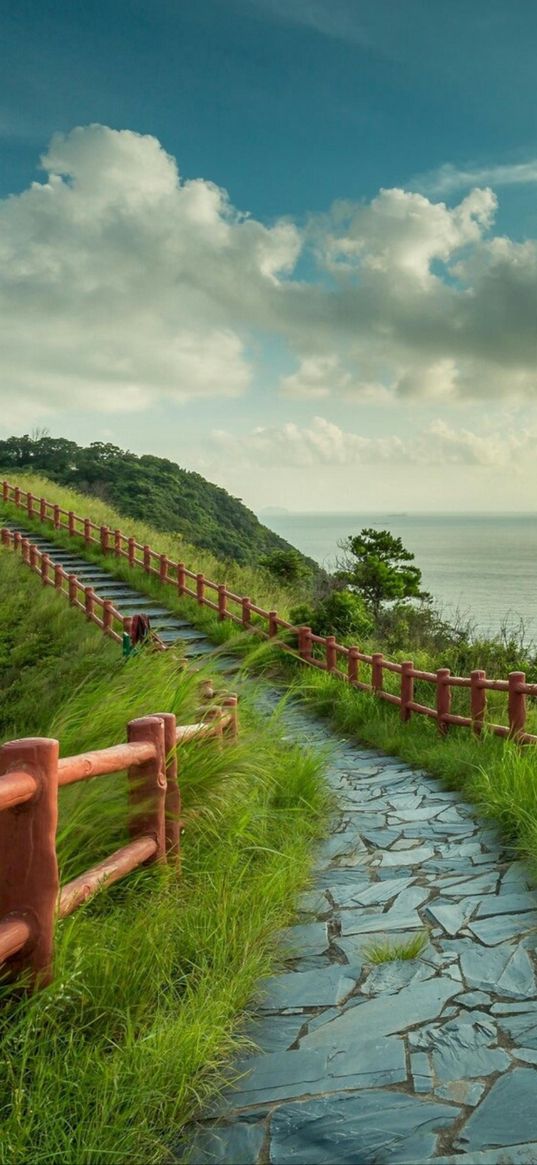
(170, 627)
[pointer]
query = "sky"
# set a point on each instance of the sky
(291, 244)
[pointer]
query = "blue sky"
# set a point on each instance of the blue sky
(385, 331)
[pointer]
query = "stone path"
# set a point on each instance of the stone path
(431, 1059)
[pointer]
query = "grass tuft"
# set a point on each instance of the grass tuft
(392, 950)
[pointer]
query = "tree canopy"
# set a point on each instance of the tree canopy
(377, 566)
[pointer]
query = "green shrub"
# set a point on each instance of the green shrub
(341, 613)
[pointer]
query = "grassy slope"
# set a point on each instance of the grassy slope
(245, 580)
(110, 1061)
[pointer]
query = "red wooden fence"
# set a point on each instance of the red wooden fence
(30, 775)
(322, 652)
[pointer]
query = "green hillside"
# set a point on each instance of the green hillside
(152, 489)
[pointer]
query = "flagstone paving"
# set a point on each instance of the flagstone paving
(429, 1059)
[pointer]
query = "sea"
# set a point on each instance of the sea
(478, 567)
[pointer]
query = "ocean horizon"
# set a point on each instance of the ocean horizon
(479, 566)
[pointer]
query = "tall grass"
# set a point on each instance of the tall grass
(46, 650)
(151, 976)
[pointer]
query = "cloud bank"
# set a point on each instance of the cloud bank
(324, 444)
(122, 284)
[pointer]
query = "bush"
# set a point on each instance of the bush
(286, 565)
(341, 613)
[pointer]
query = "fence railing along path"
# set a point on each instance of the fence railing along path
(31, 774)
(318, 651)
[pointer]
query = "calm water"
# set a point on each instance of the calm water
(484, 565)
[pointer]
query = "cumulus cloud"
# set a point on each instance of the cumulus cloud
(122, 283)
(119, 281)
(323, 443)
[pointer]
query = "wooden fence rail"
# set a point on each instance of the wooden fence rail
(31, 774)
(321, 652)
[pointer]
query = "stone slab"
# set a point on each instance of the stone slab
(464, 1092)
(507, 904)
(277, 1033)
(357, 922)
(368, 1127)
(412, 857)
(510, 1105)
(323, 988)
(387, 1016)
(236, 1144)
(492, 931)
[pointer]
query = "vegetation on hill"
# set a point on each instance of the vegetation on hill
(153, 490)
(110, 1060)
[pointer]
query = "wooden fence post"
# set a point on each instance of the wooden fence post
(147, 784)
(304, 642)
(71, 524)
(376, 671)
(117, 543)
(272, 623)
(30, 504)
(246, 612)
(73, 588)
(516, 703)
(45, 564)
(58, 576)
(17, 496)
(87, 531)
(331, 653)
(43, 509)
(163, 568)
(172, 804)
(407, 689)
(108, 617)
(25, 548)
(443, 699)
(56, 513)
(478, 700)
(352, 665)
(29, 880)
(200, 588)
(5, 491)
(33, 552)
(89, 602)
(132, 551)
(181, 578)
(222, 601)
(147, 559)
(105, 539)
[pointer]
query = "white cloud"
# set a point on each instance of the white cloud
(449, 177)
(122, 284)
(323, 443)
(119, 283)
